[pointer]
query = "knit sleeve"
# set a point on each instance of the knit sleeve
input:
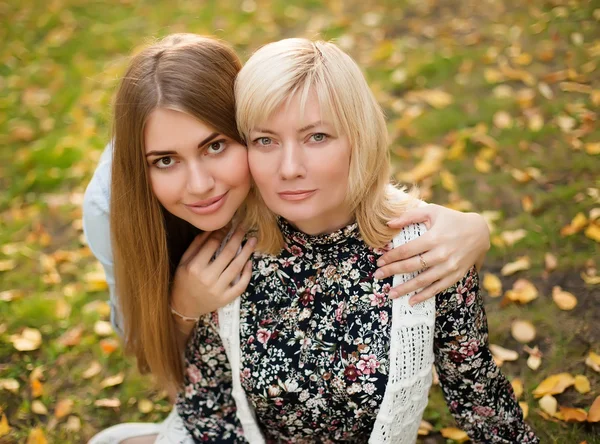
(206, 404)
(478, 395)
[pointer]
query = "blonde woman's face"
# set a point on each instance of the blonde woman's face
(300, 165)
(196, 173)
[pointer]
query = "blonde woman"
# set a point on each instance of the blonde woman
(179, 177)
(314, 350)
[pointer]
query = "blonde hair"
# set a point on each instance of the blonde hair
(281, 70)
(190, 74)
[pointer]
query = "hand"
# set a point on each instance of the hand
(454, 242)
(202, 286)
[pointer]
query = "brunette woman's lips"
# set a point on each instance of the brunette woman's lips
(207, 206)
(296, 195)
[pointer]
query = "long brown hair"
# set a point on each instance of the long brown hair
(194, 75)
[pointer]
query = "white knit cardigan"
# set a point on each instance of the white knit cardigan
(410, 374)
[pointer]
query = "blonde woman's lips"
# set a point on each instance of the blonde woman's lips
(296, 194)
(207, 206)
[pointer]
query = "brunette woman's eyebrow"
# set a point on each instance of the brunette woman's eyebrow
(208, 139)
(160, 153)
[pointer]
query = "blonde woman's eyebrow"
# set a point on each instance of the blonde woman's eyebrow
(310, 126)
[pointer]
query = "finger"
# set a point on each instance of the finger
(413, 216)
(412, 248)
(228, 252)
(193, 248)
(433, 289)
(240, 286)
(419, 282)
(237, 265)
(409, 265)
(207, 250)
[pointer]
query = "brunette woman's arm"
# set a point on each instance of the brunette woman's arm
(478, 395)
(454, 242)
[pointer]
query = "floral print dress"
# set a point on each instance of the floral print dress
(315, 333)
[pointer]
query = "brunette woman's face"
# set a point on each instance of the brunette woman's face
(196, 173)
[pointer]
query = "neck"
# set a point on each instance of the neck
(317, 227)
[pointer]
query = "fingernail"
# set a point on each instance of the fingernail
(380, 263)
(378, 274)
(393, 294)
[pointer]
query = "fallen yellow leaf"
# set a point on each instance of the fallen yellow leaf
(448, 181)
(522, 263)
(455, 434)
(113, 380)
(30, 339)
(563, 299)
(430, 164)
(109, 345)
(73, 424)
(593, 232)
(63, 408)
(512, 237)
(145, 406)
(593, 361)
(37, 388)
(594, 412)
(550, 262)
(554, 385)
(592, 148)
(527, 203)
(582, 384)
(517, 385)
(492, 284)
(577, 224)
(38, 407)
(10, 384)
(95, 281)
(71, 337)
(108, 402)
(4, 427)
(503, 354)
(92, 370)
(523, 331)
(570, 414)
(549, 404)
(36, 436)
(103, 328)
(523, 291)
(590, 279)
(525, 407)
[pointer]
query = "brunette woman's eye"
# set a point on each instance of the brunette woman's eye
(216, 147)
(318, 137)
(164, 162)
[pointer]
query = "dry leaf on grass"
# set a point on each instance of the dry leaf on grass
(28, 340)
(571, 414)
(108, 402)
(103, 328)
(535, 357)
(38, 407)
(593, 361)
(10, 384)
(577, 224)
(145, 406)
(582, 384)
(36, 436)
(431, 163)
(4, 427)
(71, 337)
(523, 292)
(502, 354)
(590, 279)
(554, 385)
(113, 380)
(550, 262)
(454, 434)
(563, 299)
(523, 331)
(92, 370)
(594, 412)
(492, 284)
(517, 385)
(549, 404)
(525, 407)
(521, 264)
(593, 232)
(63, 408)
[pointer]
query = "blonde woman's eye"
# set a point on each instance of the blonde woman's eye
(264, 141)
(318, 137)
(216, 147)
(164, 162)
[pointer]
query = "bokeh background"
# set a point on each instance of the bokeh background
(492, 107)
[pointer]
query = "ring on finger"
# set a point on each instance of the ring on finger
(424, 265)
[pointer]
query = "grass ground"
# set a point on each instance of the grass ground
(492, 107)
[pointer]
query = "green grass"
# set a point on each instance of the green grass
(60, 62)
